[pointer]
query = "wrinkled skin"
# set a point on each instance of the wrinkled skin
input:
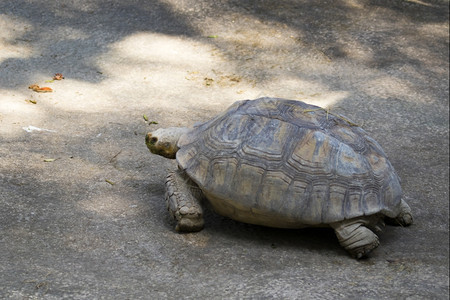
(164, 141)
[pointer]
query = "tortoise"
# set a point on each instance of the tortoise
(286, 164)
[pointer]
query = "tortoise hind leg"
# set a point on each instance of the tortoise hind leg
(355, 237)
(404, 218)
(183, 198)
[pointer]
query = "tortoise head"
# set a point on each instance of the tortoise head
(164, 141)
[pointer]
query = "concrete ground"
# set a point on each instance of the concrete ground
(82, 212)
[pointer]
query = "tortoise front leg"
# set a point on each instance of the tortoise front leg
(183, 198)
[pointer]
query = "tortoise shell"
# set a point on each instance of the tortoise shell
(285, 163)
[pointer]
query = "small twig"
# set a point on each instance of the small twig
(311, 110)
(330, 113)
(111, 160)
(40, 284)
(345, 119)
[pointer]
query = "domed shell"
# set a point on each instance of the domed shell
(285, 163)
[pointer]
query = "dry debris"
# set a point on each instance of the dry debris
(39, 89)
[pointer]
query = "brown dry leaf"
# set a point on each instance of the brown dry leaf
(38, 89)
(44, 89)
(58, 76)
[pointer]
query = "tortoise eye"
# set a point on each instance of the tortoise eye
(153, 140)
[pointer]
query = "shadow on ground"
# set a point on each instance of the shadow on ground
(92, 223)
